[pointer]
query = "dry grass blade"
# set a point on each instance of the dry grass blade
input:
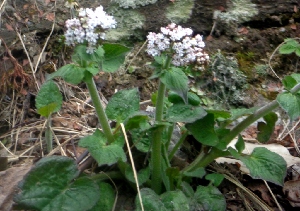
(278, 205)
(133, 166)
(254, 197)
(291, 133)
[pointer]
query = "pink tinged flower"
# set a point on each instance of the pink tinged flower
(164, 30)
(171, 25)
(153, 52)
(198, 37)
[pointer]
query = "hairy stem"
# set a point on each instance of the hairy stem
(99, 108)
(156, 158)
(203, 161)
(156, 142)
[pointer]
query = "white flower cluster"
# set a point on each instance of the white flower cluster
(89, 26)
(174, 39)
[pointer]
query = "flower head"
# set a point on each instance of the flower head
(89, 26)
(178, 41)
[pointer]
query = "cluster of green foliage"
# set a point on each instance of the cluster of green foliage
(224, 80)
(55, 183)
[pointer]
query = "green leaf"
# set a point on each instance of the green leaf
(289, 46)
(143, 175)
(266, 129)
(208, 198)
(215, 178)
(296, 76)
(92, 70)
(175, 200)
(71, 73)
(187, 189)
(101, 151)
(160, 59)
(290, 103)
(106, 199)
(184, 113)
(123, 104)
(289, 82)
(265, 164)
(173, 173)
(49, 99)
(151, 201)
(84, 59)
(297, 51)
(203, 130)
(199, 173)
(240, 144)
(176, 80)
(51, 185)
(239, 112)
(193, 99)
(141, 137)
(219, 114)
(114, 56)
(48, 109)
(136, 120)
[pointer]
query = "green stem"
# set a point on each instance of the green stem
(98, 107)
(156, 159)
(203, 161)
(156, 142)
(48, 134)
(178, 144)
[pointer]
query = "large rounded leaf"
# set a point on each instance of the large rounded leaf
(53, 185)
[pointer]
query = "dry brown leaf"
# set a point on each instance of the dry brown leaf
(25, 6)
(9, 180)
(295, 9)
(264, 191)
(77, 126)
(292, 190)
(243, 30)
(50, 16)
(25, 62)
(9, 27)
(293, 26)
(209, 38)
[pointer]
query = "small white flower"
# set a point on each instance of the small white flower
(87, 26)
(186, 49)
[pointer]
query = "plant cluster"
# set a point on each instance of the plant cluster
(55, 183)
(134, 3)
(223, 79)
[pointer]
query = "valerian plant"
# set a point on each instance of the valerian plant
(55, 183)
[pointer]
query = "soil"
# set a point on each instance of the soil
(20, 125)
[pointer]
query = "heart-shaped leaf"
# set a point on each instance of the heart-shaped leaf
(52, 185)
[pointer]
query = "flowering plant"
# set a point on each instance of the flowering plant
(177, 41)
(56, 182)
(89, 26)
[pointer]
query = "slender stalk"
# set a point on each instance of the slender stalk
(99, 108)
(156, 142)
(156, 159)
(253, 117)
(178, 144)
(203, 161)
(48, 134)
